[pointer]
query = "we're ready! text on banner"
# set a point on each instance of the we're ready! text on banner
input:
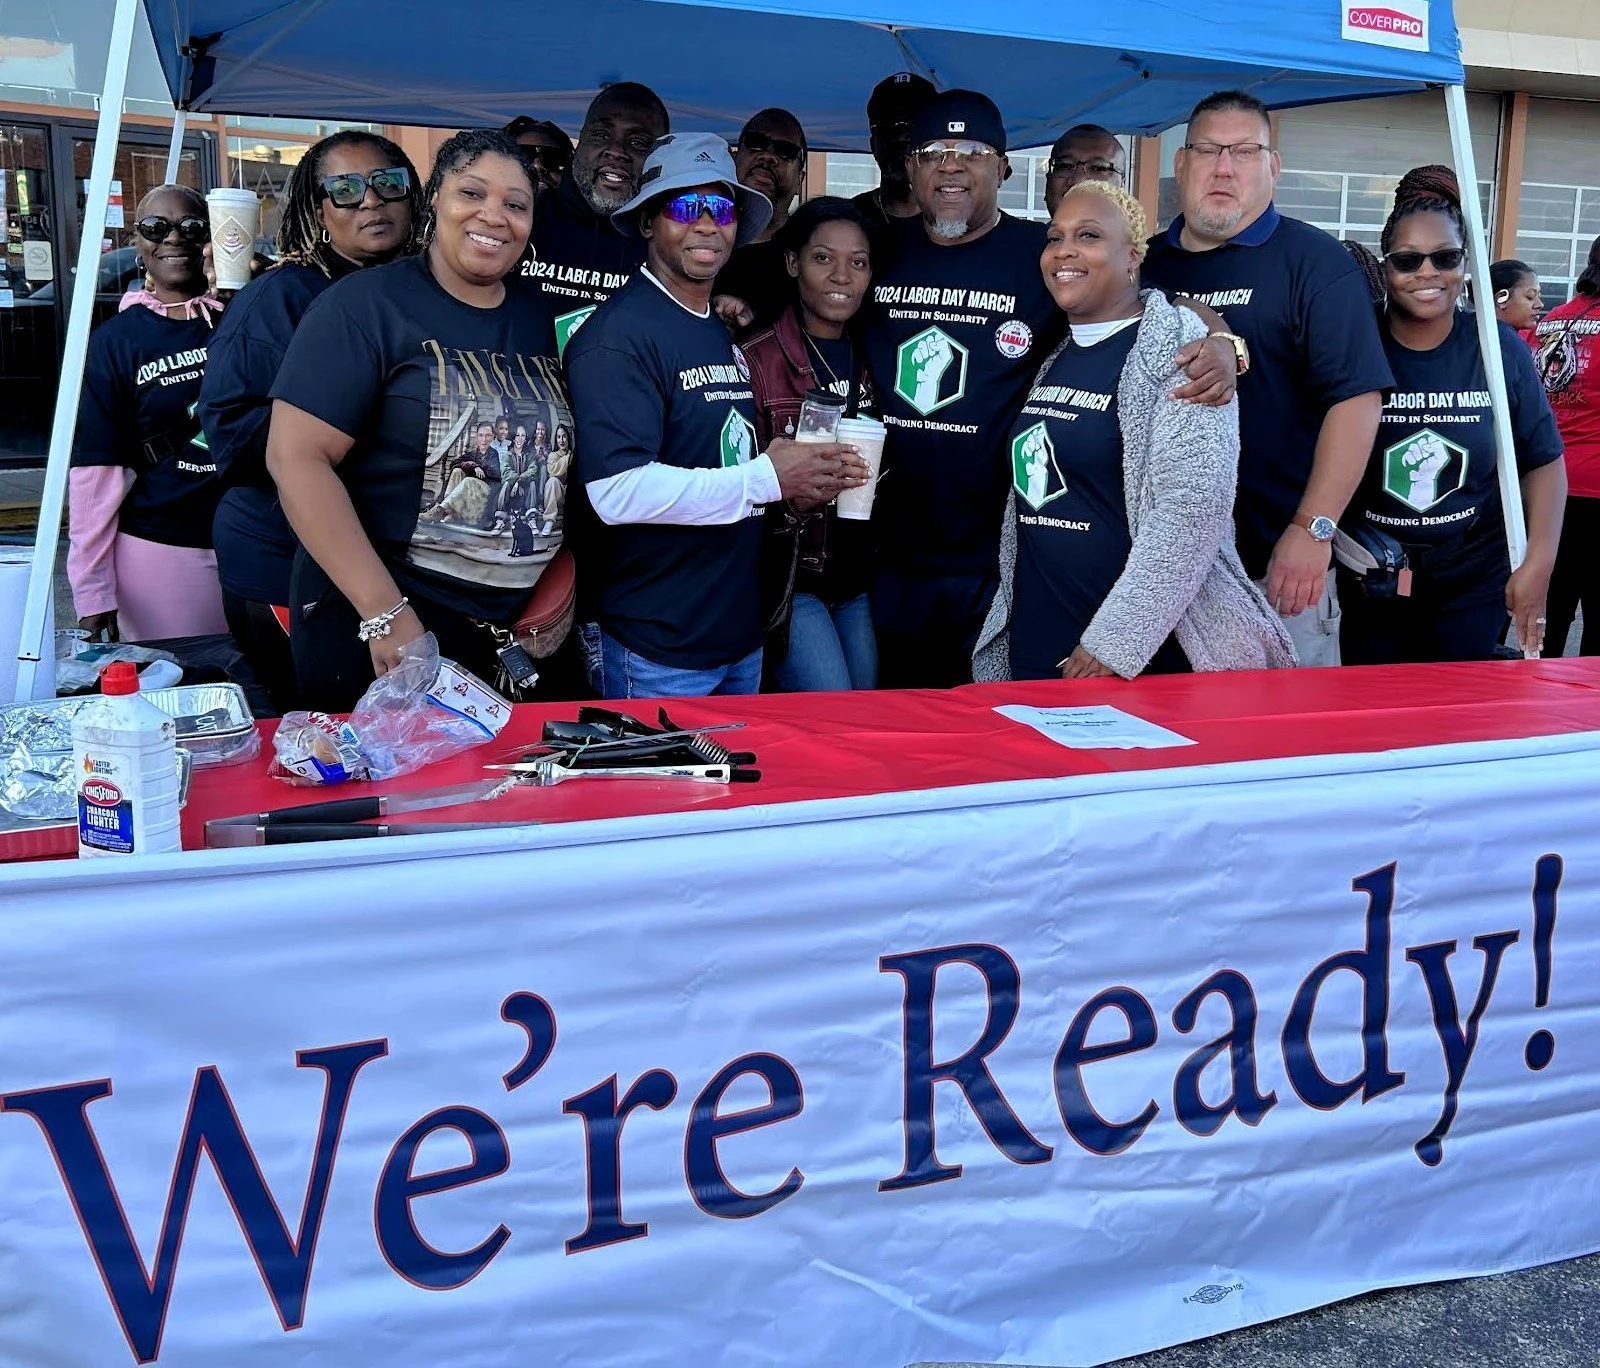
(1052, 1072)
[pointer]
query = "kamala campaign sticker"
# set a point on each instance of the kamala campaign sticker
(1013, 338)
(738, 439)
(569, 323)
(741, 363)
(1034, 472)
(1388, 23)
(1424, 469)
(930, 370)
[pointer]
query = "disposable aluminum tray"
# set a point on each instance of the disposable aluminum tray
(214, 724)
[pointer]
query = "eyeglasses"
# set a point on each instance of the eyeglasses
(1095, 170)
(781, 148)
(191, 229)
(1244, 153)
(689, 208)
(350, 190)
(1409, 263)
(931, 154)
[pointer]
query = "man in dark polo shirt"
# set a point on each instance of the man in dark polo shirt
(893, 104)
(1310, 402)
(576, 257)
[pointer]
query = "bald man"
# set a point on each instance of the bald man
(1087, 152)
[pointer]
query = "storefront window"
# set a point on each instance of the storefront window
(1559, 213)
(54, 53)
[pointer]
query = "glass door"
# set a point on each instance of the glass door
(30, 328)
(140, 167)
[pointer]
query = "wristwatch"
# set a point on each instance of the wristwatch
(1241, 348)
(1319, 527)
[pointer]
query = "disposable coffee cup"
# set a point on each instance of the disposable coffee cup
(235, 222)
(866, 436)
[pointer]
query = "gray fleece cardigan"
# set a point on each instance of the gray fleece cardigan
(1180, 464)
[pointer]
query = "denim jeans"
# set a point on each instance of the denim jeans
(830, 649)
(617, 672)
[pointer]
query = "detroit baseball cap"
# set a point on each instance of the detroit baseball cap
(901, 94)
(959, 114)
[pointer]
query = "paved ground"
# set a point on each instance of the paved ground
(1541, 1318)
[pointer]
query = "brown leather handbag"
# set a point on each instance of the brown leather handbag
(546, 618)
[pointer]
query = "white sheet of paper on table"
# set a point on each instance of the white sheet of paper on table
(1097, 727)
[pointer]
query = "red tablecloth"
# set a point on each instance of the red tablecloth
(838, 745)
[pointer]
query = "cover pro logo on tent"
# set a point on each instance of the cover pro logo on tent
(1389, 23)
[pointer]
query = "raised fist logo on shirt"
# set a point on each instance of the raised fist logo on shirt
(931, 370)
(1424, 469)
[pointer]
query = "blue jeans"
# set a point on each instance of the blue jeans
(617, 672)
(830, 649)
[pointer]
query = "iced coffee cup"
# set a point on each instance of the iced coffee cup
(866, 436)
(235, 222)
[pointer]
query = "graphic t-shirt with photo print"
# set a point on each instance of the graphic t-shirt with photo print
(444, 401)
(141, 386)
(1432, 477)
(652, 382)
(954, 335)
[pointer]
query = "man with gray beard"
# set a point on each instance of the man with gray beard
(1311, 399)
(957, 323)
(575, 256)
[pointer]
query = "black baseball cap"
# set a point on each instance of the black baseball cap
(902, 94)
(959, 114)
(526, 123)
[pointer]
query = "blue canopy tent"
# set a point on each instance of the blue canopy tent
(1137, 66)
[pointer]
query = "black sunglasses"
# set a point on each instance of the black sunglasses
(781, 148)
(549, 158)
(1409, 263)
(350, 190)
(191, 229)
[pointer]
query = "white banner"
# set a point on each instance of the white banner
(1049, 1072)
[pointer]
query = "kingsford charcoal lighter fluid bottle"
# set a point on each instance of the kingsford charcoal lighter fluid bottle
(125, 759)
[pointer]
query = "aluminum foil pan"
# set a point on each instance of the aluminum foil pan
(215, 727)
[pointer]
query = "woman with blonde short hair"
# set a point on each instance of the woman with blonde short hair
(1117, 554)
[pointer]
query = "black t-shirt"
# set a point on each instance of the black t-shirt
(1432, 477)
(758, 274)
(653, 382)
(255, 546)
(1065, 454)
(847, 567)
(432, 389)
(954, 336)
(141, 385)
(576, 258)
(1294, 294)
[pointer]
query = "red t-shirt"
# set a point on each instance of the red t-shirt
(1567, 343)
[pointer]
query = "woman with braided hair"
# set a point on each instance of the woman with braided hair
(352, 202)
(1432, 482)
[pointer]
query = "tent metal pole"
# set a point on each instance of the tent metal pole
(180, 122)
(1455, 103)
(36, 633)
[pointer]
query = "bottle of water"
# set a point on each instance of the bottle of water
(125, 758)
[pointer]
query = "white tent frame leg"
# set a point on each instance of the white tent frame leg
(37, 636)
(1455, 104)
(180, 124)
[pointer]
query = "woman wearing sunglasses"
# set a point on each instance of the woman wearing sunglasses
(352, 202)
(391, 374)
(816, 566)
(1432, 482)
(143, 486)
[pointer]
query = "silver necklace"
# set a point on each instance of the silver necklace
(816, 351)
